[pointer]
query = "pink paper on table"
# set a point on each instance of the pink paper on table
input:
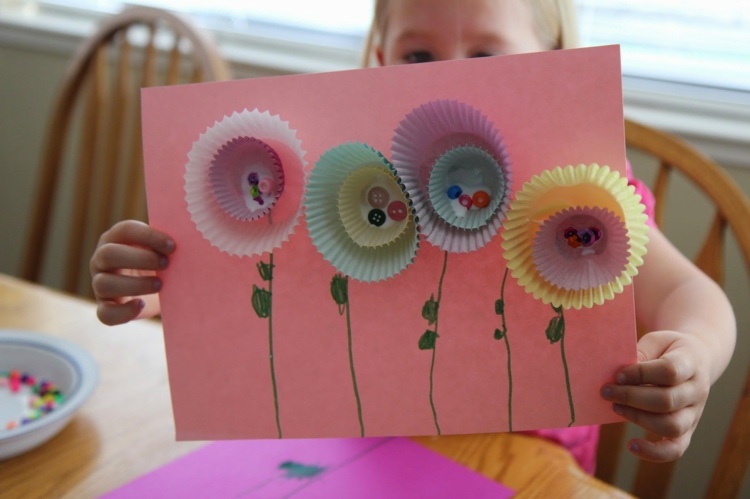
(373, 467)
(255, 354)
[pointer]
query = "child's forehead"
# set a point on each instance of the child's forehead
(488, 16)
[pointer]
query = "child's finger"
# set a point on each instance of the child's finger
(111, 313)
(670, 425)
(134, 233)
(654, 399)
(669, 370)
(111, 257)
(114, 287)
(662, 451)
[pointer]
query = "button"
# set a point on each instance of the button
(252, 179)
(465, 201)
(454, 192)
(397, 211)
(376, 217)
(481, 199)
(378, 197)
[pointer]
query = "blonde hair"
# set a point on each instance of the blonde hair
(556, 22)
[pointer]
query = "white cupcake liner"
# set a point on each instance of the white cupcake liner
(234, 165)
(229, 234)
(327, 229)
(472, 170)
(575, 264)
(421, 138)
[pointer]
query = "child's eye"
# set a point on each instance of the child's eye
(419, 56)
(482, 54)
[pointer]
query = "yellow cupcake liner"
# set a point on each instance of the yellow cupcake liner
(554, 191)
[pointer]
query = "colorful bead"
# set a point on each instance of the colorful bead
(376, 217)
(481, 199)
(397, 211)
(585, 238)
(465, 201)
(267, 185)
(40, 398)
(378, 197)
(454, 192)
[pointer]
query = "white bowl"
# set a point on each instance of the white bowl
(64, 364)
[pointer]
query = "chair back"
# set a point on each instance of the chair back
(91, 174)
(731, 213)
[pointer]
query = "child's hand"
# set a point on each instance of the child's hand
(123, 271)
(664, 392)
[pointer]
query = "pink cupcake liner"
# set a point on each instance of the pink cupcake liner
(581, 248)
(246, 178)
(421, 138)
(228, 233)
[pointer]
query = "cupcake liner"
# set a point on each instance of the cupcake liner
(581, 248)
(364, 201)
(421, 138)
(246, 178)
(466, 186)
(246, 236)
(549, 197)
(335, 205)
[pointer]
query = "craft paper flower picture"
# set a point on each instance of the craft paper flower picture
(358, 214)
(244, 183)
(361, 221)
(244, 186)
(455, 168)
(574, 238)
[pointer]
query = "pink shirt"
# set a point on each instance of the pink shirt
(582, 441)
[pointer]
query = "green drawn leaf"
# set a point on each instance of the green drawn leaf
(499, 335)
(428, 339)
(499, 307)
(265, 270)
(340, 289)
(430, 310)
(261, 302)
(555, 329)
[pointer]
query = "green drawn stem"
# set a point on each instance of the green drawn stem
(270, 349)
(507, 347)
(567, 375)
(351, 368)
(434, 348)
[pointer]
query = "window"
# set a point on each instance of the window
(685, 41)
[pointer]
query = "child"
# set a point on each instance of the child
(691, 322)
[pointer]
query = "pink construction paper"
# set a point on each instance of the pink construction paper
(363, 468)
(553, 108)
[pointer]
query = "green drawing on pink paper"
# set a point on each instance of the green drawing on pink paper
(340, 295)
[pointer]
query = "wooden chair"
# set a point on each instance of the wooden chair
(732, 211)
(94, 137)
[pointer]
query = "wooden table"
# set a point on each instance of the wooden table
(126, 428)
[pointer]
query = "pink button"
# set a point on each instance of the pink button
(397, 211)
(465, 201)
(378, 197)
